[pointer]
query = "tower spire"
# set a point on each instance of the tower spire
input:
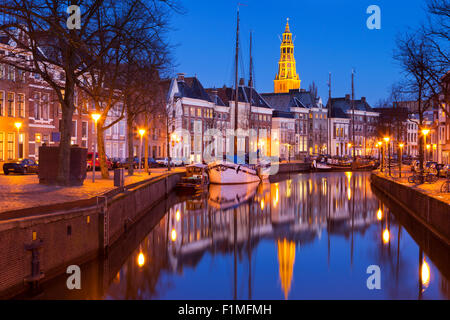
(287, 77)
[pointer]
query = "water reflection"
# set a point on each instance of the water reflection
(301, 237)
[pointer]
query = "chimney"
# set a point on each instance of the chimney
(347, 97)
(180, 76)
(241, 82)
(363, 99)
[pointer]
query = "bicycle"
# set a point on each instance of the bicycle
(431, 178)
(445, 188)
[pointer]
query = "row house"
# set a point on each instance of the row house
(283, 134)
(201, 121)
(190, 112)
(339, 127)
(310, 120)
(30, 116)
(363, 121)
(254, 119)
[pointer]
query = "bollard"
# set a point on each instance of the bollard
(119, 178)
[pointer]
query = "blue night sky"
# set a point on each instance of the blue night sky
(330, 36)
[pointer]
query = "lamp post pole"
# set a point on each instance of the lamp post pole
(401, 159)
(18, 125)
(141, 133)
(95, 116)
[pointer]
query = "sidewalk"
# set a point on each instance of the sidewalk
(24, 191)
(431, 189)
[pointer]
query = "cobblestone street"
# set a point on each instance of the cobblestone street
(24, 191)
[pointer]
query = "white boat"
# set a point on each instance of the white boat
(225, 172)
(320, 165)
(230, 196)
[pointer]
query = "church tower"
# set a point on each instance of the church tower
(287, 77)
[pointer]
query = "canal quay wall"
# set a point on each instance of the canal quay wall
(433, 213)
(294, 167)
(40, 245)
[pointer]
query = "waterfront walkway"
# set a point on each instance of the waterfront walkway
(430, 189)
(24, 191)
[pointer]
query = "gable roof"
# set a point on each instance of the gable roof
(226, 94)
(291, 99)
(192, 88)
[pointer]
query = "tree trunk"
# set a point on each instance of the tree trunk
(130, 144)
(65, 140)
(146, 143)
(101, 148)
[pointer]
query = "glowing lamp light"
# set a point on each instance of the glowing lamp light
(425, 131)
(428, 147)
(178, 215)
(141, 259)
(425, 273)
(18, 125)
(379, 214)
(386, 139)
(173, 235)
(434, 146)
(262, 204)
(349, 145)
(386, 236)
(141, 132)
(95, 116)
(401, 145)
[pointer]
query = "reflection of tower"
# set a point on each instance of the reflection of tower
(286, 259)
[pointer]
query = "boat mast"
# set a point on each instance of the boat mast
(236, 95)
(353, 117)
(250, 84)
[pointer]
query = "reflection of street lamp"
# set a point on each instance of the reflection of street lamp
(387, 139)
(401, 145)
(141, 133)
(94, 116)
(18, 125)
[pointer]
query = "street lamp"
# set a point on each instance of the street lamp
(379, 146)
(387, 139)
(18, 125)
(141, 133)
(425, 132)
(349, 145)
(94, 116)
(401, 145)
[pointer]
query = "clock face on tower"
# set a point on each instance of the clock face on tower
(287, 77)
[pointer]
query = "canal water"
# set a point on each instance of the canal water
(302, 236)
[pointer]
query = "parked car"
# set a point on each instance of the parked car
(109, 164)
(151, 162)
(20, 166)
(134, 161)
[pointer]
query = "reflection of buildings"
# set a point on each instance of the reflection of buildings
(292, 212)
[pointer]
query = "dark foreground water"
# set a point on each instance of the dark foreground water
(306, 236)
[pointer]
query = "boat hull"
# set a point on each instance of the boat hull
(231, 173)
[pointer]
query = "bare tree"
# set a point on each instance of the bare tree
(39, 34)
(413, 54)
